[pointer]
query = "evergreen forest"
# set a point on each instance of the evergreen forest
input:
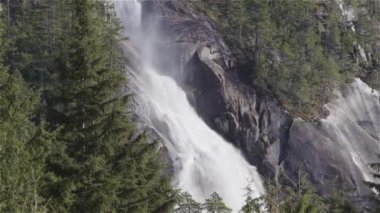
(296, 50)
(67, 142)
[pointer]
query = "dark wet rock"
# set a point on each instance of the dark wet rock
(205, 69)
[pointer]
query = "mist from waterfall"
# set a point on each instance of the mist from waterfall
(203, 161)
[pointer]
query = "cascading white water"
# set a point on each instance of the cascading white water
(348, 13)
(203, 161)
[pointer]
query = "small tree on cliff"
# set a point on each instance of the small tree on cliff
(215, 204)
(252, 205)
(375, 185)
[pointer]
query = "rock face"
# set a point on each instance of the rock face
(342, 145)
(204, 67)
(232, 108)
(339, 146)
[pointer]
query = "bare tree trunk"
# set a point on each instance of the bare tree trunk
(323, 94)
(9, 11)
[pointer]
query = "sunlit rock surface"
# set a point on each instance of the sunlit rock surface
(342, 145)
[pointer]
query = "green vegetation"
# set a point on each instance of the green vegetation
(302, 198)
(375, 185)
(67, 143)
(214, 204)
(297, 50)
(23, 144)
(187, 204)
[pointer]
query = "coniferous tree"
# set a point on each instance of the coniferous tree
(338, 202)
(186, 204)
(252, 204)
(282, 46)
(215, 204)
(375, 185)
(30, 37)
(97, 166)
(303, 198)
(23, 144)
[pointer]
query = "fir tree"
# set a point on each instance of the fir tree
(97, 166)
(375, 185)
(23, 145)
(186, 204)
(252, 205)
(282, 47)
(215, 204)
(339, 202)
(30, 36)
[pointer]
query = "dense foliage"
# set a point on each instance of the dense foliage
(67, 143)
(213, 204)
(23, 144)
(297, 50)
(303, 198)
(278, 198)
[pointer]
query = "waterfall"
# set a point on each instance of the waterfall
(203, 161)
(348, 13)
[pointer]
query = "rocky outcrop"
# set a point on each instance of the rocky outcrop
(205, 68)
(256, 125)
(342, 145)
(339, 146)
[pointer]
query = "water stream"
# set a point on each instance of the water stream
(203, 161)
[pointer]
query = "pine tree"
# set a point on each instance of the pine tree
(375, 185)
(339, 203)
(30, 36)
(282, 47)
(97, 165)
(252, 205)
(287, 199)
(186, 204)
(23, 145)
(304, 199)
(215, 204)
